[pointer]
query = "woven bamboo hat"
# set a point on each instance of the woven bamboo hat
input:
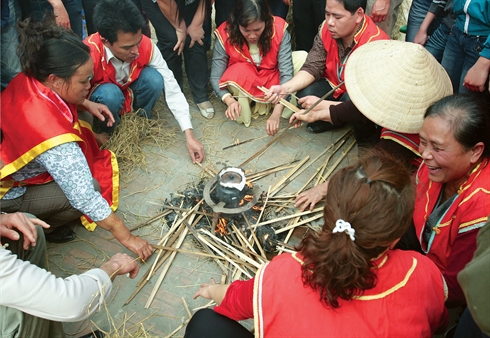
(393, 83)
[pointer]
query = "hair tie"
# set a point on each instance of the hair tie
(343, 226)
(368, 181)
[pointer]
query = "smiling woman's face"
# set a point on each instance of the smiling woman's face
(447, 160)
(253, 31)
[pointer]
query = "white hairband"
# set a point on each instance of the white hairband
(343, 226)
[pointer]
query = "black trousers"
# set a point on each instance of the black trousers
(206, 323)
(307, 16)
(195, 59)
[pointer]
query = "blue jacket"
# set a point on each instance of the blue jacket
(473, 18)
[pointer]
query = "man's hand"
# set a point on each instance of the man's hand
(275, 94)
(23, 224)
(477, 76)
(421, 37)
(380, 10)
(311, 197)
(100, 111)
(120, 264)
(194, 147)
(139, 246)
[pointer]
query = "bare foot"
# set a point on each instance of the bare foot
(101, 139)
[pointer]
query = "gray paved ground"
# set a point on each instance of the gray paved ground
(168, 171)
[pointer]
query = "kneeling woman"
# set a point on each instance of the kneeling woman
(252, 49)
(51, 159)
(345, 280)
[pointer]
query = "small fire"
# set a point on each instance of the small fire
(247, 198)
(256, 208)
(221, 227)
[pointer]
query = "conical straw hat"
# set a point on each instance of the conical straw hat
(393, 83)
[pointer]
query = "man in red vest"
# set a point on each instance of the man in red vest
(346, 28)
(130, 72)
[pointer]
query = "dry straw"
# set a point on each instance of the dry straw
(135, 133)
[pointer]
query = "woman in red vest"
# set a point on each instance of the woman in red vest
(51, 159)
(252, 49)
(346, 280)
(453, 186)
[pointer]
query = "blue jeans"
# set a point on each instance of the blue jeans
(10, 64)
(146, 91)
(461, 53)
(467, 327)
(437, 41)
(418, 11)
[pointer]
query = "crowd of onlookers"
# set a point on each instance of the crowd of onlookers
(392, 255)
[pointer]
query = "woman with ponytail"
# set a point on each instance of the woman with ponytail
(346, 279)
(53, 167)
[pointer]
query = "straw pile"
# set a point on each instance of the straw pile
(135, 133)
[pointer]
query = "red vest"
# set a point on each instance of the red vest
(36, 119)
(104, 71)
(242, 72)
(334, 71)
(408, 301)
(409, 141)
(468, 212)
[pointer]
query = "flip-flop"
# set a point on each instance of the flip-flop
(206, 109)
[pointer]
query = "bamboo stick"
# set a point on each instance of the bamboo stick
(165, 269)
(169, 248)
(224, 256)
(308, 220)
(264, 148)
(232, 249)
(275, 189)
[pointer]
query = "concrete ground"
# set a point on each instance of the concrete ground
(168, 171)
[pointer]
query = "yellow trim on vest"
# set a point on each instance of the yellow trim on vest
(404, 145)
(391, 290)
(475, 221)
(36, 151)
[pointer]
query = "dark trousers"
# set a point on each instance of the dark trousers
(207, 323)
(37, 8)
(196, 64)
(307, 16)
(224, 8)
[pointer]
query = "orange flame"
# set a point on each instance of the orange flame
(257, 208)
(221, 227)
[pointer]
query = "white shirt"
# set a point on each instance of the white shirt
(35, 291)
(176, 100)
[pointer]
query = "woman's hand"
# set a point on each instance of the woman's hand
(311, 197)
(100, 111)
(274, 121)
(380, 10)
(139, 246)
(60, 13)
(196, 33)
(181, 35)
(234, 109)
(204, 290)
(120, 264)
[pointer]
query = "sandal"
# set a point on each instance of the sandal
(206, 109)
